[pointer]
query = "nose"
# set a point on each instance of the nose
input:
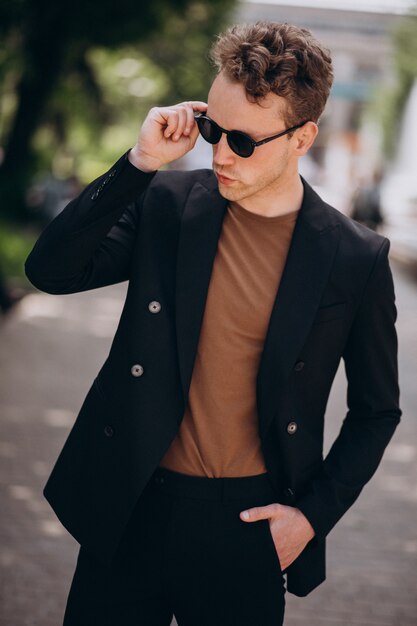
(222, 154)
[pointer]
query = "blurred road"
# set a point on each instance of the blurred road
(53, 346)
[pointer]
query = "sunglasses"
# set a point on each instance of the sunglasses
(242, 144)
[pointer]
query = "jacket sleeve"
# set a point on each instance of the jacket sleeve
(370, 358)
(89, 244)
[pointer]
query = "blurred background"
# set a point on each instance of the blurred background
(76, 80)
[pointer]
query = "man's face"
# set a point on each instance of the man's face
(271, 164)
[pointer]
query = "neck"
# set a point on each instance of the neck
(285, 197)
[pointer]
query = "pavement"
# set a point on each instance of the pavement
(51, 347)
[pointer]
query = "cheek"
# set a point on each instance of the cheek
(257, 166)
(271, 161)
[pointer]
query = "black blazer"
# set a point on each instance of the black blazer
(336, 299)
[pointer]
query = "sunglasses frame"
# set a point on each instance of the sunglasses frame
(254, 144)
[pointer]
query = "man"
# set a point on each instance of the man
(193, 477)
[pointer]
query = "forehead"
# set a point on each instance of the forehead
(230, 108)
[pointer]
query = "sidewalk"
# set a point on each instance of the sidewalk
(372, 552)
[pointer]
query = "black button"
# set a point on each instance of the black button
(299, 366)
(109, 430)
(288, 493)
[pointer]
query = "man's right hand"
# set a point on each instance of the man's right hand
(166, 134)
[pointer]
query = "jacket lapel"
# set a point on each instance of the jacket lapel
(200, 230)
(310, 257)
(306, 273)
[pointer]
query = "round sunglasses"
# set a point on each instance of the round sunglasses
(242, 144)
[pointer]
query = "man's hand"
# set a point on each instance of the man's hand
(290, 529)
(166, 134)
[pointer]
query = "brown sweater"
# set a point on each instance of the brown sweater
(218, 435)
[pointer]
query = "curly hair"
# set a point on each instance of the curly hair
(280, 58)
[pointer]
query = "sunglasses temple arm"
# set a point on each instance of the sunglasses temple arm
(284, 132)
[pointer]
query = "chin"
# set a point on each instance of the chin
(231, 194)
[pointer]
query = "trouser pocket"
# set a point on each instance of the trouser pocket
(269, 542)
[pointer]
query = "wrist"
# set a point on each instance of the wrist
(142, 161)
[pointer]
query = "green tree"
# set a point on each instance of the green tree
(50, 66)
(389, 102)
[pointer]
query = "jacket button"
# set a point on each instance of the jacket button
(109, 430)
(299, 366)
(288, 493)
(154, 306)
(292, 428)
(136, 370)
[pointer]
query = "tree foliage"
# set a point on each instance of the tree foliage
(78, 75)
(390, 101)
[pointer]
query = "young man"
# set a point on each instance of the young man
(193, 477)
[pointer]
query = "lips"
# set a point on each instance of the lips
(224, 179)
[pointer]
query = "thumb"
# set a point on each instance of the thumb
(259, 512)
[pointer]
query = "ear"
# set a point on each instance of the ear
(304, 138)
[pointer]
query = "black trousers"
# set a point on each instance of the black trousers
(187, 553)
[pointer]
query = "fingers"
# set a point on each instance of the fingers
(171, 121)
(175, 124)
(260, 512)
(189, 121)
(180, 119)
(167, 134)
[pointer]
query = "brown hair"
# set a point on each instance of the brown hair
(280, 58)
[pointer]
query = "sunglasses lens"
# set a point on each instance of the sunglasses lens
(209, 130)
(240, 144)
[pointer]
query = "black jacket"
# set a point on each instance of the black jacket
(335, 300)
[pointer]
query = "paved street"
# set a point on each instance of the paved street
(51, 349)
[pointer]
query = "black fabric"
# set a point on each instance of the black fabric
(186, 552)
(335, 301)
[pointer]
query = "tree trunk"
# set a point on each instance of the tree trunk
(42, 61)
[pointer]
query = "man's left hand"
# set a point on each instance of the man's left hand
(290, 529)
